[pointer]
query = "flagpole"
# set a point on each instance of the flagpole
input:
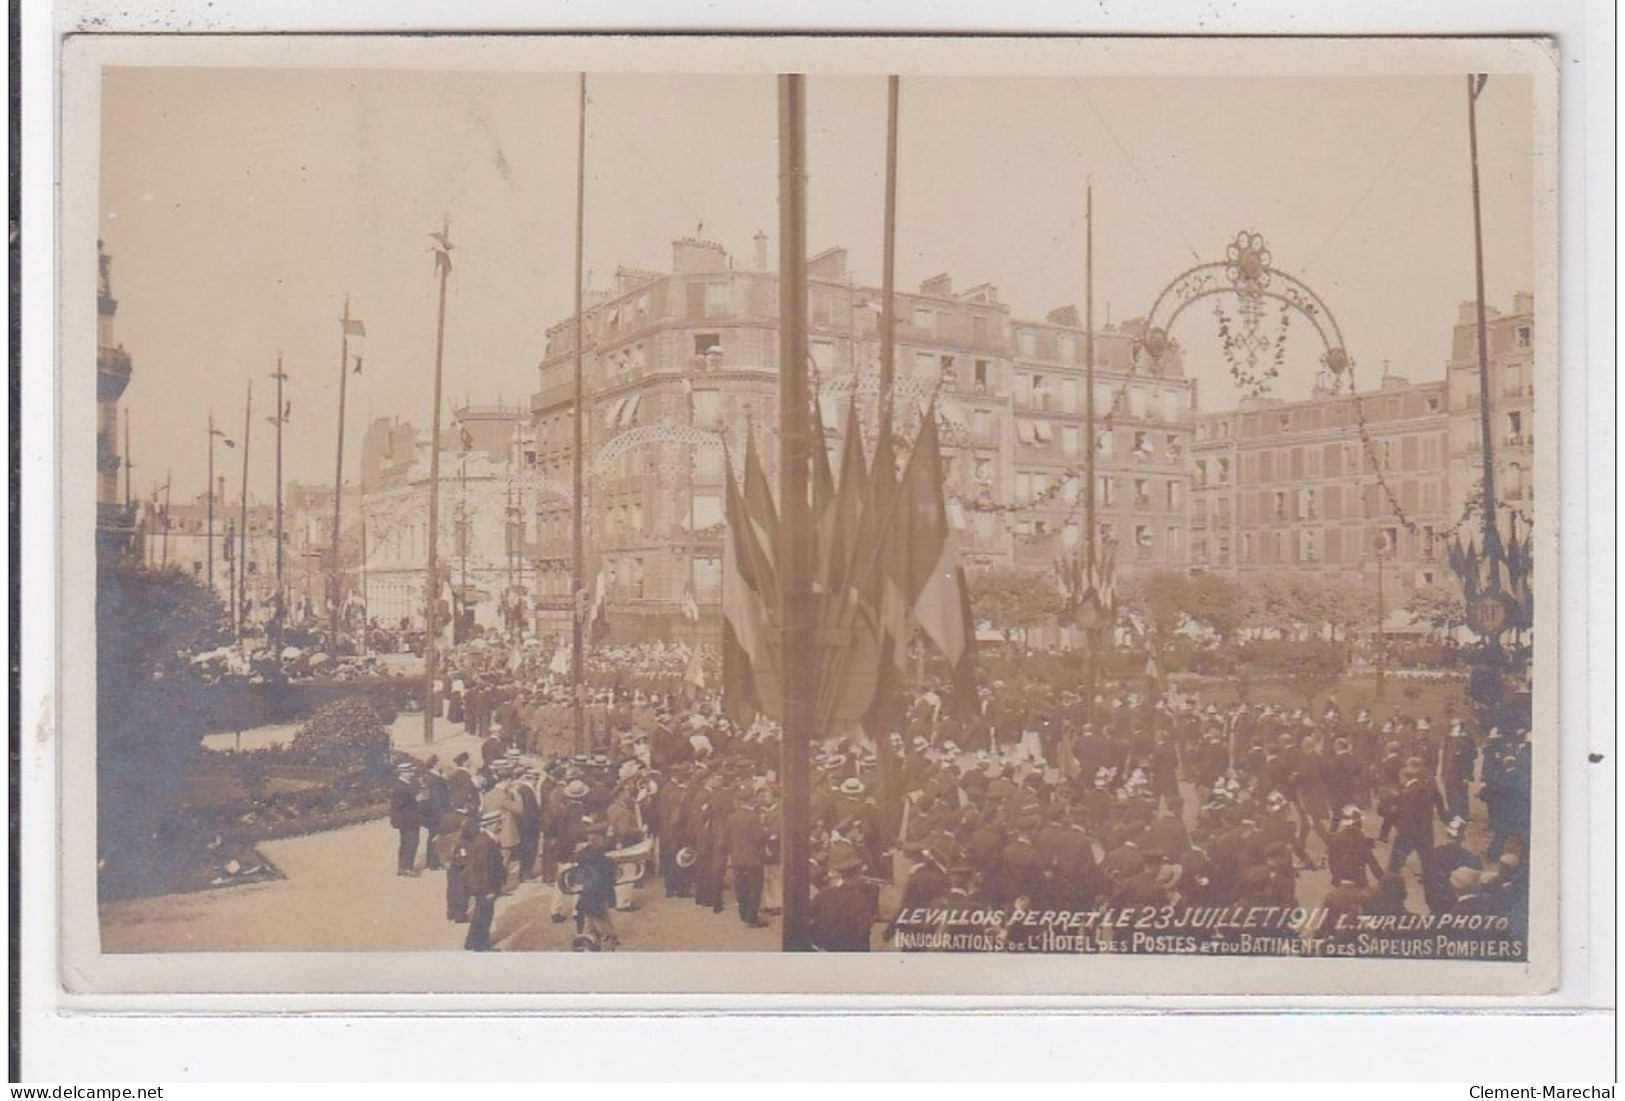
(794, 551)
(1092, 448)
(431, 582)
(887, 712)
(239, 601)
(280, 611)
(888, 270)
(336, 581)
(578, 471)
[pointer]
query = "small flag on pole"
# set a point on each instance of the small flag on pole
(353, 326)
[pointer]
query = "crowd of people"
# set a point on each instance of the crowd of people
(1039, 801)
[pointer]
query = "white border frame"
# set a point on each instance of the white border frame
(54, 1044)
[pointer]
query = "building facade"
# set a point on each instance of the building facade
(1331, 484)
(1511, 351)
(481, 533)
(680, 367)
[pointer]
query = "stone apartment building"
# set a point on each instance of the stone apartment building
(680, 366)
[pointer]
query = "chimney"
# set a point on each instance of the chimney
(761, 250)
(1468, 313)
(1523, 303)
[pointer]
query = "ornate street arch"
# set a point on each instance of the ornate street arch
(1248, 276)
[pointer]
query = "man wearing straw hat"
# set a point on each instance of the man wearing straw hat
(484, 878)
(406, 816)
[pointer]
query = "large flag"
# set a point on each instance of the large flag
(749, 604)
(926, 568)
(759, 507)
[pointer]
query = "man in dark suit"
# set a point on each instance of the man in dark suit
(747, 852)
(841, 914)
(436, 805)
(484, 878)
(530, 823)
(406, 816)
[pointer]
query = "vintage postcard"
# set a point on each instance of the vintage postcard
(1045, 517)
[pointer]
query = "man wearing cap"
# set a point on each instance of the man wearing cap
(458, 829)
(1460, 756)
(406, 817)
(1417, 803)
(1350, 854)
(485, 876)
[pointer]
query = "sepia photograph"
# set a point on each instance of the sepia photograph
(1061, 517)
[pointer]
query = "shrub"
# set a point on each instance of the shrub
(348, 735)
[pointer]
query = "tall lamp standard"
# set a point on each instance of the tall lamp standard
(348, 327)
(214, 434)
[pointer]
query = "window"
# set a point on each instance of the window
(981, 423)
(1171, 494)
(708, 580)
(1515, 423)
(1069, 395)
(1042, 432)
(983, 471)
(1388, 540)
(1041, 392)
(1224, 550)
(1311, 505)
(923, 318)
(1432, 403)
(823, 355)
(1306, 547)
(1142, 445)
(1176, 448)
(1107, 490)
(1284, 422)
(716, 299)
(1024, 487)
(1201, 472)
(1142, 493)
(980, 372)
(708, 344)
(1027, 342)
(1279, 511)
(1523, 336)
(1108, 534)
(1172, 543)
(945, 364)
(1071, 439)
(1224, 471)
(1142, 541)
(1246, 548)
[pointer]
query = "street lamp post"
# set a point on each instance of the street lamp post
(348, 326)
(214, 434)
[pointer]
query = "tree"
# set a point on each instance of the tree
(1013, 600)
(152, 708)
(1440, 605)
(1158, 599)
(1312, 667)
(1218, 603)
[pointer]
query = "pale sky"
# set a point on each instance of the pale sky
(240, 206)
